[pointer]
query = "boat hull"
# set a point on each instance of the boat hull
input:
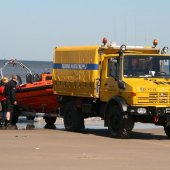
(37, 97)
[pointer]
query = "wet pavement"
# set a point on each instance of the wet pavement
(91, 123)
(38, 123)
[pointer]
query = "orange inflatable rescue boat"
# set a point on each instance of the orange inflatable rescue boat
(35, 96)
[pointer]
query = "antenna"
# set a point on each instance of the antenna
(135, 29)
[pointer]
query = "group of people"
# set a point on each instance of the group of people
(8, 100)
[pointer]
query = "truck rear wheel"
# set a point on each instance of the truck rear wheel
(73, 120)
(119, 125)
(167, 131)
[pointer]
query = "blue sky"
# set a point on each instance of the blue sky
(30, 29)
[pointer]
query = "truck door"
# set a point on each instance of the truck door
(109, 87)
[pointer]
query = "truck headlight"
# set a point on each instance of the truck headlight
(141, 110)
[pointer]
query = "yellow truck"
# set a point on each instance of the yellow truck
(121, 84)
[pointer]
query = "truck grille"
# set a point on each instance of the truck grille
(160, 98)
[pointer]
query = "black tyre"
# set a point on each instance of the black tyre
(119, 125)
(167, 131)
(14, 119)
(73, 120)
(50, 120)
(30, 117)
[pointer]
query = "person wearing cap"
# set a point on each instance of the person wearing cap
(10, 93)
(3, 81)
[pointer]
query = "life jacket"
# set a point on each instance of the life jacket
(2, 93)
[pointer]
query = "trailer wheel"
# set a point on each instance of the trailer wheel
(119, 125)
(30, 117)
(50, 120)
(73, 120)
(167, 131)
(14, 119)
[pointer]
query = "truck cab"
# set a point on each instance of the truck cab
(135, 82)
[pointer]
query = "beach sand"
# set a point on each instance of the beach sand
(42, 149)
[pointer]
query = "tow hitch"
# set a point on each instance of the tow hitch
(156, 119)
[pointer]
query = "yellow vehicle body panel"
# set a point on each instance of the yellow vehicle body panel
(76, 71)
(147, 92)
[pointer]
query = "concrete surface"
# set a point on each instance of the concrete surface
(92, 149)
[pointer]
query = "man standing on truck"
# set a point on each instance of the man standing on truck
(10, 94)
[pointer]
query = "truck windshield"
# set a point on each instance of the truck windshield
(146, 66)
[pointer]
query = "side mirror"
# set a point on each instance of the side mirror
(121, 84)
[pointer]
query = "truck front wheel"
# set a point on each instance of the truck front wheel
(119, 125)
(73, 120)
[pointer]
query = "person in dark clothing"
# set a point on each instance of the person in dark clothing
(3, 81)
(10, 94)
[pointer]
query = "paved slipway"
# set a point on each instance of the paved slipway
(91, 149)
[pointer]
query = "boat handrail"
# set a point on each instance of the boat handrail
(15, 62)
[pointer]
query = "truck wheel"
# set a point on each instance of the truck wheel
(50, 120)
(167, 131)
(73, 120)
(119, 125)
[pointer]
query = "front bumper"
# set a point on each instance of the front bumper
(156, 115)
(150, 110)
